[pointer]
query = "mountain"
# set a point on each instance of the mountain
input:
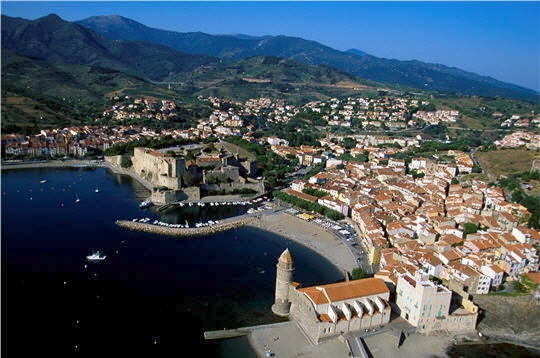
(417, 74)
(52, 39)
(37, 93)
(275, 77)
(357, 52)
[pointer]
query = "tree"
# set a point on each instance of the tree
(358, 273)
(469, 228)
(349, 143)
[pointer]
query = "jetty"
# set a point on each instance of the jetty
(244, 331)
(222, 226)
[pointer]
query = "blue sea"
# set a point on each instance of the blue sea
(153, 295)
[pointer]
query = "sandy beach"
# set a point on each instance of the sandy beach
(310, 235)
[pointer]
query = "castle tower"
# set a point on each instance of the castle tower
(284, 276)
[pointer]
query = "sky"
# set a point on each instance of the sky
(497, 39)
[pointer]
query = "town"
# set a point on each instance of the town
(232, 118)
(419, 219)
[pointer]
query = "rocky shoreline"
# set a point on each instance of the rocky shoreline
(185, 232)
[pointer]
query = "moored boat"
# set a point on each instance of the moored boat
(145, 204)
(96, 256)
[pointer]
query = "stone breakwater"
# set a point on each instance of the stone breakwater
(185, 232)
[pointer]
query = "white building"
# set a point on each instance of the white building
(495, 273)
(426, 306)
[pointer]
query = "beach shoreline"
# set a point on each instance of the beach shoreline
(309, 235)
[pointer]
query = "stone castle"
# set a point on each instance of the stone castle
(228, 169)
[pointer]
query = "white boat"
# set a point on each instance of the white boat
(96, 190)
(42, 181)
(96, 256)
(145, 204)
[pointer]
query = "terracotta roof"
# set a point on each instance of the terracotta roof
(303, 196)
(410, 280)
(345, 290)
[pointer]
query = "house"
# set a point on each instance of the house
(334, 204)
(463, 278)
(427, 306)
(495, 273)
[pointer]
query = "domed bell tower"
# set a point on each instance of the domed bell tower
(284, 277)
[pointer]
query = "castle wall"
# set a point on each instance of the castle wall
(229, 187)
(157, 168)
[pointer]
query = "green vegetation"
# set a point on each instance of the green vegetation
(513, 183)
(309, 206)
(38, 94)
(506, 161)
(272, 167)
(358, 273)
(469, 228)
(314, 170)
(156, 143)
(477, 112)
(314, 192)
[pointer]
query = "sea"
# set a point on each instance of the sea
(153, 295)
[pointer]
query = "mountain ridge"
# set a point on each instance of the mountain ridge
(414, 73)
(53, 39)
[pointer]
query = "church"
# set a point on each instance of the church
(326, 311)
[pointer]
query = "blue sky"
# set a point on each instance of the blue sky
(497, 39)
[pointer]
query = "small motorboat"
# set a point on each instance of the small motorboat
(96, 256)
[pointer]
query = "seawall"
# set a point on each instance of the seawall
(184, 232)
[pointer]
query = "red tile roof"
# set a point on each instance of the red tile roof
(345, 290)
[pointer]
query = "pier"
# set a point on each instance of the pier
(186, 232)
(224, 334)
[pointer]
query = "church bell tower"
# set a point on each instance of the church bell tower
(284, 276)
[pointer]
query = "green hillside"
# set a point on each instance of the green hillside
(268, 76)
(44, 94)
